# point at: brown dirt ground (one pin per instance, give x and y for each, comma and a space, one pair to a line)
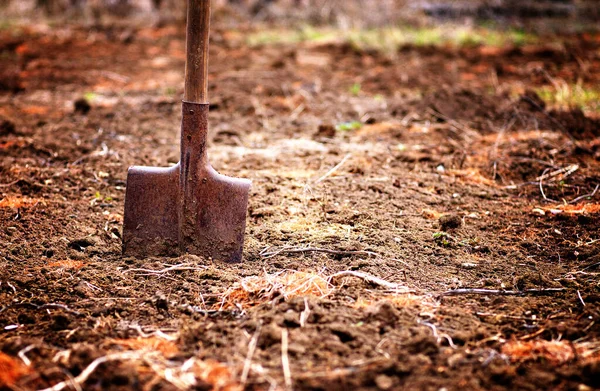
438, 190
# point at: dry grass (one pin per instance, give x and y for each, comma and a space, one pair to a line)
165, 347
11, 370
431, 214
216, 374
157, 353
67, 264
565, 96
554, 352
255, 290
18, 202
580, 208
19, 143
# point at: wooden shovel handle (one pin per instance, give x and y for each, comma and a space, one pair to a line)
196, 64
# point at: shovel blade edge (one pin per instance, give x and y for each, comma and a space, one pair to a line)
150, 221
213, 219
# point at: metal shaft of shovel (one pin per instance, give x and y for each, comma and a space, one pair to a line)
189, 208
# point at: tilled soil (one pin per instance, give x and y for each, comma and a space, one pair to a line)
417, 220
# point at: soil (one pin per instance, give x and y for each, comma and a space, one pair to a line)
454, 183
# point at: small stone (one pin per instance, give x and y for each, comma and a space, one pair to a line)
538, 211
270, 335
384, 312
450, 222
7, 127
82, 106
454, 360
384, 382
291, 319
297, 349
160, 301
326, 131
468, 265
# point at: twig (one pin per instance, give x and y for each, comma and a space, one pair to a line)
10, 285
437, 335
294, 250
24, 351
304, 314
580, 298
475, 291
157, 333
502, 316
494, 152
582, 270
539, 161
9, 184
114, 76
464, 128
541, 178
590, 195
332, 170
285, 361
568, 170
85, 374
543, 111
181, 266
249, 355
369, 278
41, 307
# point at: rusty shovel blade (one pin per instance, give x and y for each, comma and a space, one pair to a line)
188, 208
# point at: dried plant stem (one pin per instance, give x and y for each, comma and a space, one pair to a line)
500, 292
285, 361
22, 354
42, 307
305, 314
248, 360
294, 250
371, 279
590, 195
332, 170
566, 171
179, 267
85, 374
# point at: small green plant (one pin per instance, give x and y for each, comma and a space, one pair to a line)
98, 197
355, 89
567, 96
90, 96
442, 238
472, 242
349, 126
389, 39
9, 25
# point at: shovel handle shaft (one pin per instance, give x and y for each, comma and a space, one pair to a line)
196, 65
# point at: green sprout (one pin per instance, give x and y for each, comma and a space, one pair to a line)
349, 126
355, 89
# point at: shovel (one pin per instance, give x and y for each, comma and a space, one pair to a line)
187, 208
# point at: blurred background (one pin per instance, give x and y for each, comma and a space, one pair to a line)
340, 13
